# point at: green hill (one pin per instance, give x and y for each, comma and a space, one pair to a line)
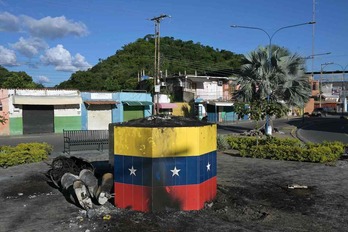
121, 70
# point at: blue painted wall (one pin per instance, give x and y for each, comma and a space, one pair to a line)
117, 112
85, 97
131, 96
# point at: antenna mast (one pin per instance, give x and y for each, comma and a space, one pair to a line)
157, 63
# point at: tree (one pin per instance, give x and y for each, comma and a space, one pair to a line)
121, 70
3, 120
272, 85
14, 80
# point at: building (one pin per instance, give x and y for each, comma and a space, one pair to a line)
210, 96
40, 111
329, 90
31, 111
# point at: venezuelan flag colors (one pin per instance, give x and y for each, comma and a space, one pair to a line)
164, 167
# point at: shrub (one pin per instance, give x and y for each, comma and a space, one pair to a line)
286, 149
24, 153
241, 143
222, 142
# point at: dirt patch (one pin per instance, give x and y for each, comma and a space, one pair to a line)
253, 195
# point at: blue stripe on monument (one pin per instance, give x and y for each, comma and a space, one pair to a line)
160, 171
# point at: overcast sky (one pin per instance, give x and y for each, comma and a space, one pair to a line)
51, 39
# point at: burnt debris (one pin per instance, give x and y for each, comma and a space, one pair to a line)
164, 121
76, 179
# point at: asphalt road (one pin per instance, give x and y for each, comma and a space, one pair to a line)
309, 129
242, 126
317, 130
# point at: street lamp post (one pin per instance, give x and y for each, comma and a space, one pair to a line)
268, 128
314, 55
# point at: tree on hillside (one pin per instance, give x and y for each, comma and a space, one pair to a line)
17, 80
121, 71
282, 81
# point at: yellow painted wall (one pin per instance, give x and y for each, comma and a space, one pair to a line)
164, 141
182, 109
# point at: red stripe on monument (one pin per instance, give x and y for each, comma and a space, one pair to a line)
184, 197
135, 197
193, 197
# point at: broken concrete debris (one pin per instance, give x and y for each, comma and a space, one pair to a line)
103, 191
76, 179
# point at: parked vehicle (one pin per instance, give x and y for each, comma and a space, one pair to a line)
319, 112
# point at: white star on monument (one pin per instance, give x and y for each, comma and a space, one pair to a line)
132, 171
175, 171
208, 166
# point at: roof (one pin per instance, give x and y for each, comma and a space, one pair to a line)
100, 102
167, 105
137, 103
217, 103
45, 100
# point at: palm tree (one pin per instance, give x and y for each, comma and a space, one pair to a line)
282, 79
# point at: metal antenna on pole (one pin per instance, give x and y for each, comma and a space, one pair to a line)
157, 65
313, 36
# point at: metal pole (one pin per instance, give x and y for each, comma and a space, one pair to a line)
155, 71
313, 35
344, 95
157, 68
158, 65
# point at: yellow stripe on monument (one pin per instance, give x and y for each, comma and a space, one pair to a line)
164, 141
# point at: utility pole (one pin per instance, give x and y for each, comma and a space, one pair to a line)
157, 63
313, 36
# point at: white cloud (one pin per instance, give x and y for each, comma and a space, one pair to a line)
47, 27
53, 28
30, 47
43, 79
7, 57
63, 61
38, 30
9, 22
80, 62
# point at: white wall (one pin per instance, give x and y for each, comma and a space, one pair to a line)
210, 91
